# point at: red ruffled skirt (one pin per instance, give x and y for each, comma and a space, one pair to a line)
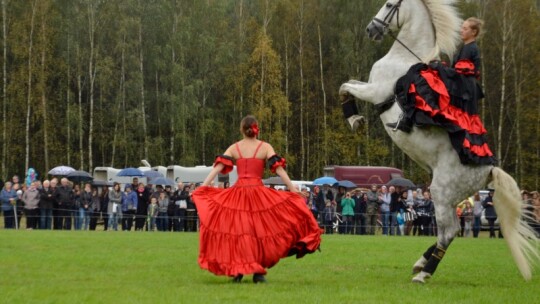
248, 227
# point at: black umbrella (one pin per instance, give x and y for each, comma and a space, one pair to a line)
345, 184
79, 176
401, 182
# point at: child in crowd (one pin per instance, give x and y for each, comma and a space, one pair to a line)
152, 214
329, 215
468, 216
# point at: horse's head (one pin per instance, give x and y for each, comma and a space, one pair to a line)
386, 19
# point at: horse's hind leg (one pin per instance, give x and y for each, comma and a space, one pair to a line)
448, 226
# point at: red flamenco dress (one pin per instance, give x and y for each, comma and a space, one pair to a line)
436, 95
248, 227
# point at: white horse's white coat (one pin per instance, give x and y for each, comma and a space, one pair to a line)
421, 21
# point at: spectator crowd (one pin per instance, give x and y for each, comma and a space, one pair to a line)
399, 211
62, 205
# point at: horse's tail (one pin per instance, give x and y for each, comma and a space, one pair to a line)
518, 235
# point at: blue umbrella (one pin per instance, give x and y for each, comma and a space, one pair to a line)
325, 180
130, 172
152, 174
161, 181
345, 184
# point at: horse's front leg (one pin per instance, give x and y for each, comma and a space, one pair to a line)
447, 227
348, 92
358, 89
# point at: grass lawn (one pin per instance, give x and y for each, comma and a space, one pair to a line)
128, 267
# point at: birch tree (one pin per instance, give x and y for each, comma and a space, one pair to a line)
29, 86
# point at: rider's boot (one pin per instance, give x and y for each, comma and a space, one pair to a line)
404, 124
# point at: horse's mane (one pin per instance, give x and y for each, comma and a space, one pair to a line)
447, 24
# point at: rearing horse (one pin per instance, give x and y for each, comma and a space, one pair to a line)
427, 28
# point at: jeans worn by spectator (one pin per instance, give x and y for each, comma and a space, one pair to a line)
45, 218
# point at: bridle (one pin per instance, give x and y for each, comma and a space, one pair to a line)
385, 25
394, 11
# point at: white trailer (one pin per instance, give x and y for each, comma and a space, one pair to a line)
198, 174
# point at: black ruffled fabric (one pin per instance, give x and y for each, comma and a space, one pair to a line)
227, 161
276, 161
440, 96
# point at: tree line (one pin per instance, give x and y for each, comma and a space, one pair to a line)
91, 83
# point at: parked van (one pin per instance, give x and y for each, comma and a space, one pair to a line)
363, 176
108, 174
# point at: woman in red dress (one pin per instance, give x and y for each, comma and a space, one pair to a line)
248, 227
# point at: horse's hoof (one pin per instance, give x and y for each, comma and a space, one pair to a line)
421, 277
355, 121
416, 269
418, 280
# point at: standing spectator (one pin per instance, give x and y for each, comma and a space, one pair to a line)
329, 215
64, 196
490, 213
386, 200
142, 207
191, 212
360, 205
477, 212
180, 198
373, 202
327, 193
468, 215
85, 210
19, 205
418, 200
424, 209
347, 204
129, 208
95, 207
57, 225
406, 204
153, 210
9, 199
172, 211
339, 209
134, 183
46, 204
77, 193
15, 183
105, 207
319, 201
163, 219
394, 210
311, 202
31, 199
114, 208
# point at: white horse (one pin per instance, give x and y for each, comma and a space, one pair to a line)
427, 28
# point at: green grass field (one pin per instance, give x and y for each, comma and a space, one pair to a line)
129, 267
